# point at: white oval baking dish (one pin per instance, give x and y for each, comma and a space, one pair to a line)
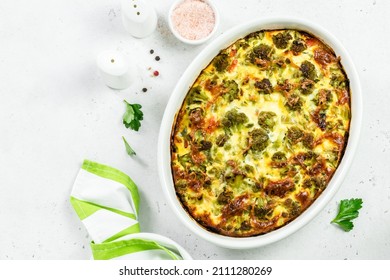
180, 91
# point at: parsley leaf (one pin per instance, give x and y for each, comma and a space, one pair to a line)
133, 116
349, 210
129, 150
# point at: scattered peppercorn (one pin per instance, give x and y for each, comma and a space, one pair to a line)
157, 58
144, 89
151, 51
156, 73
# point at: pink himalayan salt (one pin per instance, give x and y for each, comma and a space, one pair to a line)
193, 19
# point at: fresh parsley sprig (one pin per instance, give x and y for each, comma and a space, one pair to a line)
133, 116
349, 210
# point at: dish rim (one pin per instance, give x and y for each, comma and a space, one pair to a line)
186, 81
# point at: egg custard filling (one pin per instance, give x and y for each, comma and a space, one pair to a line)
260, 132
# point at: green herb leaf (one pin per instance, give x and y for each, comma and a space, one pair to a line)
129, 150
349, 210
133, 116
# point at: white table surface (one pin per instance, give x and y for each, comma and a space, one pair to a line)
55, 112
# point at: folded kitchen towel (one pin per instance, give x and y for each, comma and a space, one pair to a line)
107, 202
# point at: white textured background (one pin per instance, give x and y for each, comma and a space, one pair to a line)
54, 112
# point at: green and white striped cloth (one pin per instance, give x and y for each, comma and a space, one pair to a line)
107, 202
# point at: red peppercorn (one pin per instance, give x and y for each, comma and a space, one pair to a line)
156, 73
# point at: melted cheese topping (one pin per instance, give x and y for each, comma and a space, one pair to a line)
261, 132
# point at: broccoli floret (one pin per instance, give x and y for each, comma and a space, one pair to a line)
323, 98
181, 185
232, 90
294, 134
315, 183
338, 81
242, 44
258, 139
281, 40
308, 70
308, 140
196, 95
262, 211
245, 225
196, 116
279, 156
255, 35
294, 102
264, 86
221, 62
233, 119
298, 46
267, 120
321, 120
306, 87
292, 207
221, 140
184, 159
205, 145
224, 197
261, 52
